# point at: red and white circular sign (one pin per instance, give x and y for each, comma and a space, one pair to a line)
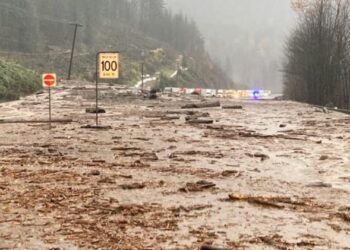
49, 80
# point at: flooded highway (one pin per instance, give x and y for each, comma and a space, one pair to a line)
270, 175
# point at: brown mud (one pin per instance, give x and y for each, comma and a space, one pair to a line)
273, 175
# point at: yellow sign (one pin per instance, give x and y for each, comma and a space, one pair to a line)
108, 65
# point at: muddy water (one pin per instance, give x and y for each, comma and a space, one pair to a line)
140, 184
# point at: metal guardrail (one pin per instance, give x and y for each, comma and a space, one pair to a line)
344, 111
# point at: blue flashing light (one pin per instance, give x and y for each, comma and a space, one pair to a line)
256, 94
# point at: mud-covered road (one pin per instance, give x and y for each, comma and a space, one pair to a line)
273, 175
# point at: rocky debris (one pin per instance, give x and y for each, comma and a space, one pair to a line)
208, 154
209, 247
216, 127
123, 148
98, 127
170, 117
196, 115
125, 176
344, 216
147, 156
106, 180
232, 107
139, 164
202, 105
263, 157
154, 115
200, 121
153, 94
98, 161
274, 240
133, 186
162, 116
272, 202
94, 172
199, 186
324, 157
94, 110
234, 173
151, 156
189, 209
141, 139
199, 118
281, 202
277, 242
224, 133
319, 185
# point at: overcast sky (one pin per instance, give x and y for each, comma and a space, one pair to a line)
249, 33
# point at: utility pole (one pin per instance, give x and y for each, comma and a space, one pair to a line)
178, 72
73, 47
142, 68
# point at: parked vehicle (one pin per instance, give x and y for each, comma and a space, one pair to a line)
220, 93
197, 91
168, 90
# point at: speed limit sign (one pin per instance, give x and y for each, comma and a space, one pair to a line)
108, 65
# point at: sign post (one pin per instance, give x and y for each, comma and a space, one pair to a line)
49, 80
107, 67
50, 109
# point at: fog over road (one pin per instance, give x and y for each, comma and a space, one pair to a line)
246, 36
271, 175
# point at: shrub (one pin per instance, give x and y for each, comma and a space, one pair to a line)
16, 81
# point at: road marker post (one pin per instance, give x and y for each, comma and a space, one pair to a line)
49, 80
107, 67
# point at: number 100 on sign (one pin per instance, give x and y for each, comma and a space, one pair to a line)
108, 65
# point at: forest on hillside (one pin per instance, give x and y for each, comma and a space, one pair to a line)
40, 21
40, 34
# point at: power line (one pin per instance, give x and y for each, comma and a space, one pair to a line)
42, 18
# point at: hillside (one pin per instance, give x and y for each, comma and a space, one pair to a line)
16, 81
246, 37
39, 34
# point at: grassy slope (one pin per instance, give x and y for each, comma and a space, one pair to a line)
16, 81
159, 57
